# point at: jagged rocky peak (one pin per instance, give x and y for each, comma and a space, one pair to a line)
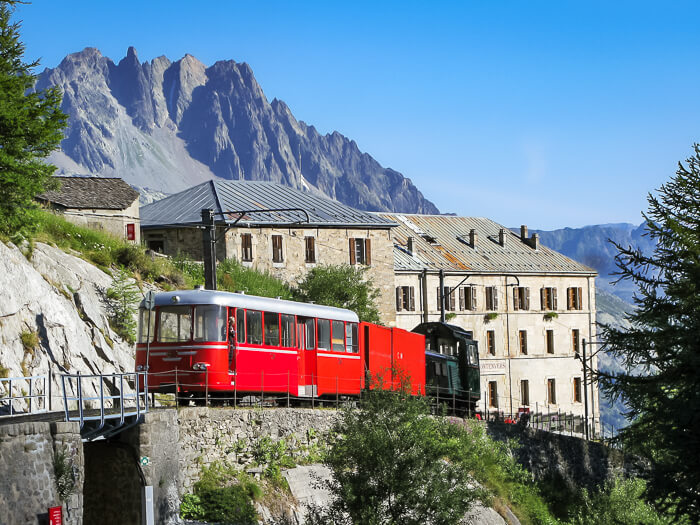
170, 125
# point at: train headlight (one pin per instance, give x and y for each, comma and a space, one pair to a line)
139, 368
200, 366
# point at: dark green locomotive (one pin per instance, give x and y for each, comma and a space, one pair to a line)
451, 364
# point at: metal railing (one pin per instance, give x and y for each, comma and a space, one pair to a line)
35, 399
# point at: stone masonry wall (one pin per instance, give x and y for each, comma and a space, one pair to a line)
28, 484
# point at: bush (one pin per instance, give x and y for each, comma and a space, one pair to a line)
123, 298
232, 276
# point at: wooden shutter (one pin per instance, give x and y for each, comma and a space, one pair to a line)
368, 252
399, 299
462, 298
472, 291
569, 298
527, 299
439, 303
516, 298
411, 299
543, 298
494, 295
579, 304
352, 250
554, 299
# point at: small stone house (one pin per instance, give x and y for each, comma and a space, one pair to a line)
529, 307
108, 204
274, 228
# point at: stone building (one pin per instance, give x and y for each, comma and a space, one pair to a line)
108, 204
529, 307
275, 228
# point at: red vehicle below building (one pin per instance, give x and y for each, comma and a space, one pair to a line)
235, 345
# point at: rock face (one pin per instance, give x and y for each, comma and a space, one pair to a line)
57, 297
170, 125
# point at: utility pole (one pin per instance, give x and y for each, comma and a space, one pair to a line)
209, 248
585, 392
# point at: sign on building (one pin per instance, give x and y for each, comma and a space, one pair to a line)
489, 367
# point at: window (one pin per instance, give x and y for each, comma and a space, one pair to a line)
272, 329
277, 249
491, 298
360, 251
524, 392
310, 251
253, 327
156, 245
405, 298
449, 298
324, 334
240, 325
522, 336
577, 389
550, 341
174, 324
467, 298
338, 336
144, 330
491, 342
573, 299
351, 338
310, 334
246, 247
288, 327
521, 298
575, 341
552, 391
548, 298
210, 323
493, 394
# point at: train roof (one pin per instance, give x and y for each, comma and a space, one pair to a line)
441, 328
254, 302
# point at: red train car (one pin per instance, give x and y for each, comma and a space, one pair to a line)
236, 344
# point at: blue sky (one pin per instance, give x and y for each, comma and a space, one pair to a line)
550, 114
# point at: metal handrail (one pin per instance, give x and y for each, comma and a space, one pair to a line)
26, 397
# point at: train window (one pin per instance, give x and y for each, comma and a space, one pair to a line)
143, 325
437, 368
240, 325
174, 324
310, 333
253, 327
210, 323
272, 329
288, 330
473, 354
351, 338
338, 336
324, 334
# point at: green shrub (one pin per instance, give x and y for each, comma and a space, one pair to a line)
123, 298
30, 341
232, 276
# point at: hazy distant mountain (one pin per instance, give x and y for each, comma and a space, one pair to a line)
590, 245
170, 125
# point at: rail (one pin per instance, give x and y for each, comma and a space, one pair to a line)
35, 398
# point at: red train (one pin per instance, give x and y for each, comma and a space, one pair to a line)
235, 345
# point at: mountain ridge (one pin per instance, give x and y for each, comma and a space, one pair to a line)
171, 125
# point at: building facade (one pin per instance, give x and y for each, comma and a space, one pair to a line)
529, 307
107, 204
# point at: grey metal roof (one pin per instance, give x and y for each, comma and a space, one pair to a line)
442, 242
91, 192
184, 208
253, 302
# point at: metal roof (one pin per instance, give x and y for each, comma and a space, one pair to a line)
185, 208
253, 302
441, 242
91, 192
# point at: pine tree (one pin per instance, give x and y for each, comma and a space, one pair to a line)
31, 125
661, 349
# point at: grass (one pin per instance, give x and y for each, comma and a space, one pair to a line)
30, 341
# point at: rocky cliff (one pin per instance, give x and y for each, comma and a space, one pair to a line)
56, 300
170, 125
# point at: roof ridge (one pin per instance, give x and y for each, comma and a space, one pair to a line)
216, 195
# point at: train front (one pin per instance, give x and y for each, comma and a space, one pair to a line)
183, 342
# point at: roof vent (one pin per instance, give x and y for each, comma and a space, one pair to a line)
198, 287
409, 245
535, 241
473, 238
502, 237
523, 232
242, 292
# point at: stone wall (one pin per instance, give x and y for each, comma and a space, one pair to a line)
28, 483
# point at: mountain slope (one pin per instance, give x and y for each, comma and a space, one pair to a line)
170, 125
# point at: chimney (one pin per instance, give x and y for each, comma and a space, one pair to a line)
523, 233
473, 238
535, 242
409, 245
502, 237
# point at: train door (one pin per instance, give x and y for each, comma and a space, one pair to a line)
306, 356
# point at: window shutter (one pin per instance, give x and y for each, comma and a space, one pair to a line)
569, 298
368, 252
554, 299
527, 299
411, 299
452, 299
399, 299
494, 294
579, 305
352, 250
439, 304
543, 298
462, 304
516, 298
472, 290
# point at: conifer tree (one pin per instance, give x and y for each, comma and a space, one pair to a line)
31, 125
661, 349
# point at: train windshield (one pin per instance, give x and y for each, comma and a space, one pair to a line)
143, 325
209, 323
174, 324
